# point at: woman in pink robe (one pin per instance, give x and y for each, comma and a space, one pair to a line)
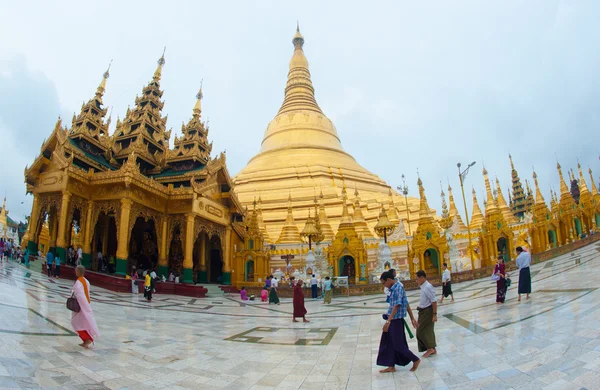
83, 322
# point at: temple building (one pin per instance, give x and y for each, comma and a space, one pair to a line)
9, 229
302, 152
135, 199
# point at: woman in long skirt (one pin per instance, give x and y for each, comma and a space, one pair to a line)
500, 271
83, 322
524, 262
328, 290
273, 297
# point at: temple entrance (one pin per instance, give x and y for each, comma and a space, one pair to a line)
215, 268
552, 238
347, 268
502, 246
143, 245
75, 240
104, 243
578, 228
176, 252
249, 270
431, 261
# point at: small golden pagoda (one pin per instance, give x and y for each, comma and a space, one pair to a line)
454, 211
518, 195
586, 204
252, 259
446, 221
310, 231
429, 244
543, 231
324, 221
384, 226
595, 203
289, 233
362, 229
570, 225
496, 237
504, 209
261, 223
476, 215
392, 213
347, 253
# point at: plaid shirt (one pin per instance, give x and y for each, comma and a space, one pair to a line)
398, 298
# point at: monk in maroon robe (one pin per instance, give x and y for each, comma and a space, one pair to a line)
299, 309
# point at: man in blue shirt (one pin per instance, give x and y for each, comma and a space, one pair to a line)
393, 348
49, 262
56, 267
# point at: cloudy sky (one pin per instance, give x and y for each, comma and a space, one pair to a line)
409, 85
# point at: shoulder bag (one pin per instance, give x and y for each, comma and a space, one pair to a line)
72, 304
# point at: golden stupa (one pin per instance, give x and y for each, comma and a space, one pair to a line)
301, 152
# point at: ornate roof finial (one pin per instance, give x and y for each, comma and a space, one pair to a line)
161, 63
298, 39
512, 166
102, 86
199, 96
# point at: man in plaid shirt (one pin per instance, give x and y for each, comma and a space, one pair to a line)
393, 348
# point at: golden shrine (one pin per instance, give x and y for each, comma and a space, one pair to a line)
301, 152
133, 198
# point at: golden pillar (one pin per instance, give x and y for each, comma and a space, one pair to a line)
52, 231
123, 239
163, 263
227, 257
203, 273
87, 236
61, 240
188, 261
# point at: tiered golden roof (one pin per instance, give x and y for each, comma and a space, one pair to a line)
594, 188
518, 195
289, 233
301, 151
585, 196
506, 212
143, 130
476, 215
362, 229
454, 211
193, 146
446, 221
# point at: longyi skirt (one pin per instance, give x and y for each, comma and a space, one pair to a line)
525, 281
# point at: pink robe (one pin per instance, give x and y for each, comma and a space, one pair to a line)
84, 320
244, 295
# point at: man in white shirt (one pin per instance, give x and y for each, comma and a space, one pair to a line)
446, 284
524, 262
314, 285
427, 316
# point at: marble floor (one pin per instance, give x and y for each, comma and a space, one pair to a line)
551, 341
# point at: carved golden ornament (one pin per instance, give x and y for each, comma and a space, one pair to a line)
106, 206
146, 213
210, 228
214, 211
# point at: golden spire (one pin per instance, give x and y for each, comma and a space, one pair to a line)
325, 225
424, 212
476, 214
358, 218
392, 213
198, 105
491, 202
454, 211
563, 186
447, 220
506, 213
102, 86
539, 198
260, 221
161, 63
346, 219
594, 188
289, 232
582, 185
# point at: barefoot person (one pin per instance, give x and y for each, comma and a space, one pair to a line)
523, 262
83, 322
299, 309
427, 316
446, 284
393, 348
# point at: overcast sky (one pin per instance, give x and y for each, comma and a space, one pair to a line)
409, 85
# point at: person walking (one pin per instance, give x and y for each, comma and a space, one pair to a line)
298, 301
148, 287
500, 277
83, 321
523, 263
328, 289
49, 262
427, 316
393, 347
446, 284
56, 267
314, 286
273, 297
